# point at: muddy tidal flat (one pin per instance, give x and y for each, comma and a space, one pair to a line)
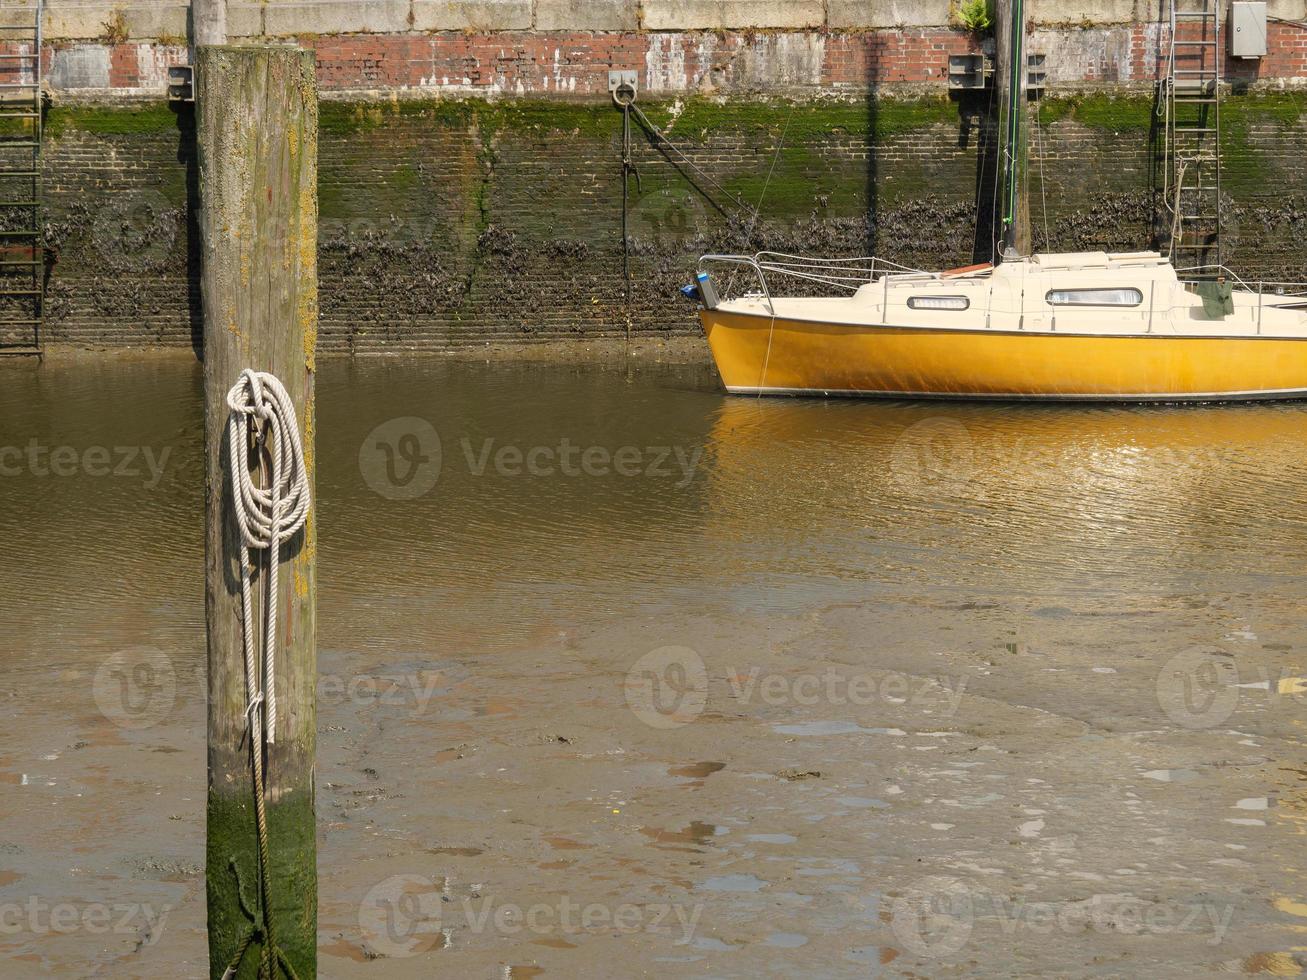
621, 676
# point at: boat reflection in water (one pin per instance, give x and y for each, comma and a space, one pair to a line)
1017, 496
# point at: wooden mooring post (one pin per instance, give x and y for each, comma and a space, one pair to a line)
256, 126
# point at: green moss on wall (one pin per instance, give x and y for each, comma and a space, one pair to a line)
346, 118
686, 118
438, 215
692, 117
805, 121
1251, 124
1097, 111
1119, 113
150, 117
1285, 108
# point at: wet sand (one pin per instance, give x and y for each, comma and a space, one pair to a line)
756, 688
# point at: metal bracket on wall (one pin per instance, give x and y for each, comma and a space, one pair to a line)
180, 87
969, 71
623, 85
1036, 74
975, 71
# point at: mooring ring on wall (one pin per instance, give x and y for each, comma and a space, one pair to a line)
624, 95
622, 85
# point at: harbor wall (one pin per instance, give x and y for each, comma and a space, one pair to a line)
470, 184
459, 222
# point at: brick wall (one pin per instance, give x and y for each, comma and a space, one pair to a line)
576, 63
469, 179
455, 222
156, 19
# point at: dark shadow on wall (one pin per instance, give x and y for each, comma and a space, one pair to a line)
873, 53
188, 156
1159, 231
978, 125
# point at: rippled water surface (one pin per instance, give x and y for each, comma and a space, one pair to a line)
728, 500
1051, 560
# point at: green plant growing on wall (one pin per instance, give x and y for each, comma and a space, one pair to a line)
977, 16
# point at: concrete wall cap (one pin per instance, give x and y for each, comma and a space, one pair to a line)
471, 15
286, 18
684, 15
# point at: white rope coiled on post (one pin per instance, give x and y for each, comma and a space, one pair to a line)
266, 515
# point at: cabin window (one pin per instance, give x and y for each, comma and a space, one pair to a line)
1094, 297
938, 302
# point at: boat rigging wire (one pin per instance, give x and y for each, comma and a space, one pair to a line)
757, 210
776, 155
1039, 149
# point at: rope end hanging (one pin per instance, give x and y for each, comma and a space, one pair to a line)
267, 514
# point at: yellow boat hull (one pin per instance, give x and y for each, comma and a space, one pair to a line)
755, 355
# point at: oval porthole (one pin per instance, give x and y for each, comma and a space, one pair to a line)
1128, 296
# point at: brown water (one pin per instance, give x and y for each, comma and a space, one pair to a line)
847, 688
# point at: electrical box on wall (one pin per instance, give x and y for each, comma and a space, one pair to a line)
1247, 29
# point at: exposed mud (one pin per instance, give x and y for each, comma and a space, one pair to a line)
821, 688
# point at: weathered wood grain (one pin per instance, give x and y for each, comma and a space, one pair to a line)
256, 112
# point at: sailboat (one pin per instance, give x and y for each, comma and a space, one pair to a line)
1108, 326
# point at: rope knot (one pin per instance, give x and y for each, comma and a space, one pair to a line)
275, 511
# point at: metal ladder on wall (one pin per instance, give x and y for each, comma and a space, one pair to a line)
22, 255
1192, 149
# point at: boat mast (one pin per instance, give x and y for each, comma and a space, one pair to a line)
1010, 75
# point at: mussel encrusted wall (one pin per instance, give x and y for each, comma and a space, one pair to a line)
456, 222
